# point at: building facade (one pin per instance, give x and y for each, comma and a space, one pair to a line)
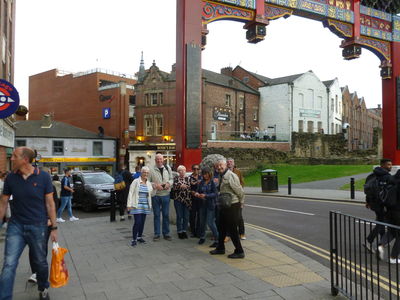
96, 100
61, 145
335, 107
7, 45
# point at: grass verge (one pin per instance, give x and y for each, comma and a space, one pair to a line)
358, 185
306, 173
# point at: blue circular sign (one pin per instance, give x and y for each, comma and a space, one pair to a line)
9, 99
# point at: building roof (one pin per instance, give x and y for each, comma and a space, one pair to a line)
260, 77
33, 128
328, 83
228, 81
285, 79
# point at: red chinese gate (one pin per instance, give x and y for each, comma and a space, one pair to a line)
365, 24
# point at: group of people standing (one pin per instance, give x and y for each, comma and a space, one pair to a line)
196, 202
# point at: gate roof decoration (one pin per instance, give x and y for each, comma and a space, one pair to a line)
369, 24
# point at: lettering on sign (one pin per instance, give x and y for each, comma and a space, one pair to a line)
221, 114
311, 113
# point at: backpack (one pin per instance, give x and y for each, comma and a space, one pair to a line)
119, 183
380, 191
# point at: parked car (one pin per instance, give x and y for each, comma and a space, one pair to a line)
92, 189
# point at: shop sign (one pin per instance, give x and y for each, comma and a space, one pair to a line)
310, 113
221, 114
166, 147
7, 135
9, 99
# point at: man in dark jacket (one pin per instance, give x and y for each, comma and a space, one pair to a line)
382, 174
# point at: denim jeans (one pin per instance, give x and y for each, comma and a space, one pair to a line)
65, 201
18, 236
137, 229
161, 206
182, 216
207, 217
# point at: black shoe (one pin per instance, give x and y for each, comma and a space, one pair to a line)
141, 241
167, 237
44, 295
193, 235
236, 255
180, 235
214, 245
217, 251
156, 238
201, 241
184, 234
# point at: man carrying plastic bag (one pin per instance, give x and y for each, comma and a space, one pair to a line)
58, 273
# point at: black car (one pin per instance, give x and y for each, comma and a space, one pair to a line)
92, 189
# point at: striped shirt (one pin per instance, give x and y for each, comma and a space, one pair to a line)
143, 204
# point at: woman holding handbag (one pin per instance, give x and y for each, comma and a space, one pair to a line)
139, 204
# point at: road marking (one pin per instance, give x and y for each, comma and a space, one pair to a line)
310, 200
279, 209
325, 254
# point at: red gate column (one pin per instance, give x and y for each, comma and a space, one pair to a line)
390, 106
188, 82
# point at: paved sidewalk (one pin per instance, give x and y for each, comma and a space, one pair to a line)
103, 265
321, 194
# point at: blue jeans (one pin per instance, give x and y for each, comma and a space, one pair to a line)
138, 226
18, 236
161, 205
207, 217
182, 216
65, 201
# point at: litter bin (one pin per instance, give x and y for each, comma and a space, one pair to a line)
269, 181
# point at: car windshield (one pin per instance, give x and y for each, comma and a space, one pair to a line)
98, 178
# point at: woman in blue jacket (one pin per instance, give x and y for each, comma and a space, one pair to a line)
207, 192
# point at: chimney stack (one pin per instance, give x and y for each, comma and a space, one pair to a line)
228, 71
46, 121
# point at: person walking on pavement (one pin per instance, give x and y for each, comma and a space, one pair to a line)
207, 192
33, 205
66, 197
57, 185
182, 201
161, 180
122, 195
194, 213
231, 166
139, 204
229, 215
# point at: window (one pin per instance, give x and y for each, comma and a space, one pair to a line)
301, 126
320, 129
132, 121
255, 114
227, 100
310, 126
310, 99
332, 105
159, 124
132, 99
161, 99
319, 104
147, 100
97, 148
333, 128
148, 126
246, 79
20, 143
336, 103
301, 97
241, 102
58, 147
241, 127
153, 98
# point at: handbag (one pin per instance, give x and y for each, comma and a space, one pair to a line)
225, 200
119, 186
58, 272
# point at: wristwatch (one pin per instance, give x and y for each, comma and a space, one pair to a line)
53, 228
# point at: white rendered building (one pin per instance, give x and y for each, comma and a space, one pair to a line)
296, 103
334, 94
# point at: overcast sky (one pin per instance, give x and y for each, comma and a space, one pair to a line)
78, 35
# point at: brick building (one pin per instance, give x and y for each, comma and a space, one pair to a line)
95, 100
7, 34
228, 107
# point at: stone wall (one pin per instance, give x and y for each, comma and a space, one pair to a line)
280, 146
318, 145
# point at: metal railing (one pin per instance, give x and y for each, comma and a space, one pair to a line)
357, 272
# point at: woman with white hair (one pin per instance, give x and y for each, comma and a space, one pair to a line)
182, 201
139, 204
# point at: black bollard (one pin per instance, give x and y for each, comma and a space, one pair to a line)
352, 193
112, 209
289, 182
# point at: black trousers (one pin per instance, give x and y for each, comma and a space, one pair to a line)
194, 217
228, 222
241, 222
378, 229
122, 198
393, 217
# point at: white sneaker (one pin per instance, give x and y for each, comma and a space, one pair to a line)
33, 278
73, 219
60, 220
381, 251
394, 260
